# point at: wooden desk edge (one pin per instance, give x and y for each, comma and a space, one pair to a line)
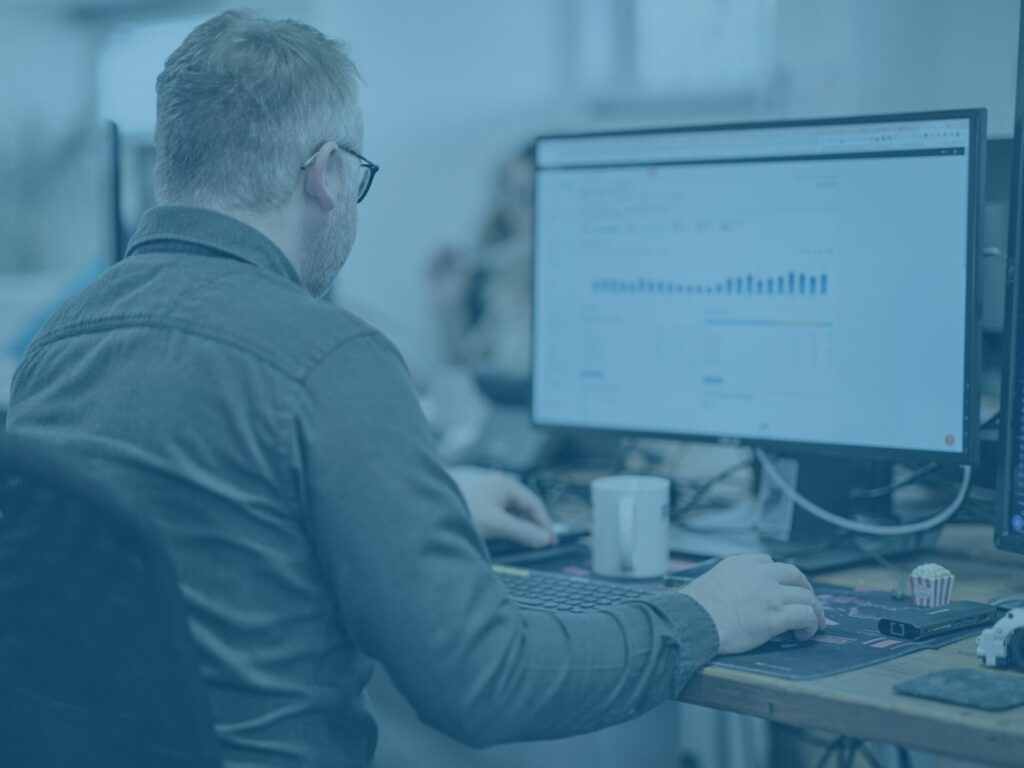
893, 719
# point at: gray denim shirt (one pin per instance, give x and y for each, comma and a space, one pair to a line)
279, 445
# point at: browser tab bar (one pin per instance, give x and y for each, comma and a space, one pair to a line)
765, 142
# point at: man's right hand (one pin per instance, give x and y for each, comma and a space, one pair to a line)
752, 599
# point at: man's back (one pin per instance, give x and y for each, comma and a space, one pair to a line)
178, 368
279, 445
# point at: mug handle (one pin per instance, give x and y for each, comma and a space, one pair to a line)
627, 529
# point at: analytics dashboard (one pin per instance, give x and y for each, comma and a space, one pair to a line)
805, 283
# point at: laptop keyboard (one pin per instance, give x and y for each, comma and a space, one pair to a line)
557, 592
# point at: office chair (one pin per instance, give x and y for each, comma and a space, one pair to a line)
97, 668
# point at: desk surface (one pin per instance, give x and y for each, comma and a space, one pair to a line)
862, 703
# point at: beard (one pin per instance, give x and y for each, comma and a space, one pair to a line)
326, 250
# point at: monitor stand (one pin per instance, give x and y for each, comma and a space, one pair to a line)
773, 525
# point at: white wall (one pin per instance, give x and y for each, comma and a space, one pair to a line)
864, 56
47, 97
47, 86
450, 89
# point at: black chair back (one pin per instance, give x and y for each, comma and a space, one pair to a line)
97, 667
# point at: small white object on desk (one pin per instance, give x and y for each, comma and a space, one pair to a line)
931, 585
1003, 643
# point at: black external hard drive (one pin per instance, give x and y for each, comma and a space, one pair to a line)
925, 623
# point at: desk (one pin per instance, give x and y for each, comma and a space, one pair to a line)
859, 703
862, 703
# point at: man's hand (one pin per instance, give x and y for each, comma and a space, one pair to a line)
504, 508
752, 599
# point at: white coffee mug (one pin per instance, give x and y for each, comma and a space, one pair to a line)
629, 531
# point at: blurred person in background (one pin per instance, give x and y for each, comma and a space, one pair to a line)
484, 296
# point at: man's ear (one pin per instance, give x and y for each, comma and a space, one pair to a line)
315, 181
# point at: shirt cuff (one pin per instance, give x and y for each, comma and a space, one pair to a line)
695, 632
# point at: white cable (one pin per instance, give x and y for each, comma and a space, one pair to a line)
852, 525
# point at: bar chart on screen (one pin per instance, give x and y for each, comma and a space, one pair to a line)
788, 284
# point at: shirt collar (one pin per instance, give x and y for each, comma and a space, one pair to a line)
189, 229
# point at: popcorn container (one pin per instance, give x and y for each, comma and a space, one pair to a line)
931, 591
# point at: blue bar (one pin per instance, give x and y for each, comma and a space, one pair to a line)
728, 285
781, 281
750, 283
792, 280
771, 285
739, 285
814, 284
760, 285
803, 282
824, 284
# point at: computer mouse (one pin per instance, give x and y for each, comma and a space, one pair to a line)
789, 638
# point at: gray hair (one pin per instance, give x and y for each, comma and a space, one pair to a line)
241, 103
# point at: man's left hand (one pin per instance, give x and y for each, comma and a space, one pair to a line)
504, 508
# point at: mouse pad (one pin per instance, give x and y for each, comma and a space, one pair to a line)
969, 688
850, 640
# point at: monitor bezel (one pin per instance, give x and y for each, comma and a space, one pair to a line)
969, 453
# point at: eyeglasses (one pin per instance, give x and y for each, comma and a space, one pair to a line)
369, 169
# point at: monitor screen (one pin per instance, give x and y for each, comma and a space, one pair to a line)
806, 283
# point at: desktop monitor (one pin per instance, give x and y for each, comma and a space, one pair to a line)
1009, 520
807, 286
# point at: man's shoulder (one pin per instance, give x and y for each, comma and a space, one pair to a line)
226, 305
330, 330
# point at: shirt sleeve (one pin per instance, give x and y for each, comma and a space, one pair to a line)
414, 588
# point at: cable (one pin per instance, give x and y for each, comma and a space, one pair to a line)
885, 490
708, 484
868, 755
857, 527
889, 565
1007, 602
917, 474
829, 751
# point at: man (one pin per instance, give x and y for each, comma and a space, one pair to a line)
278, 444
